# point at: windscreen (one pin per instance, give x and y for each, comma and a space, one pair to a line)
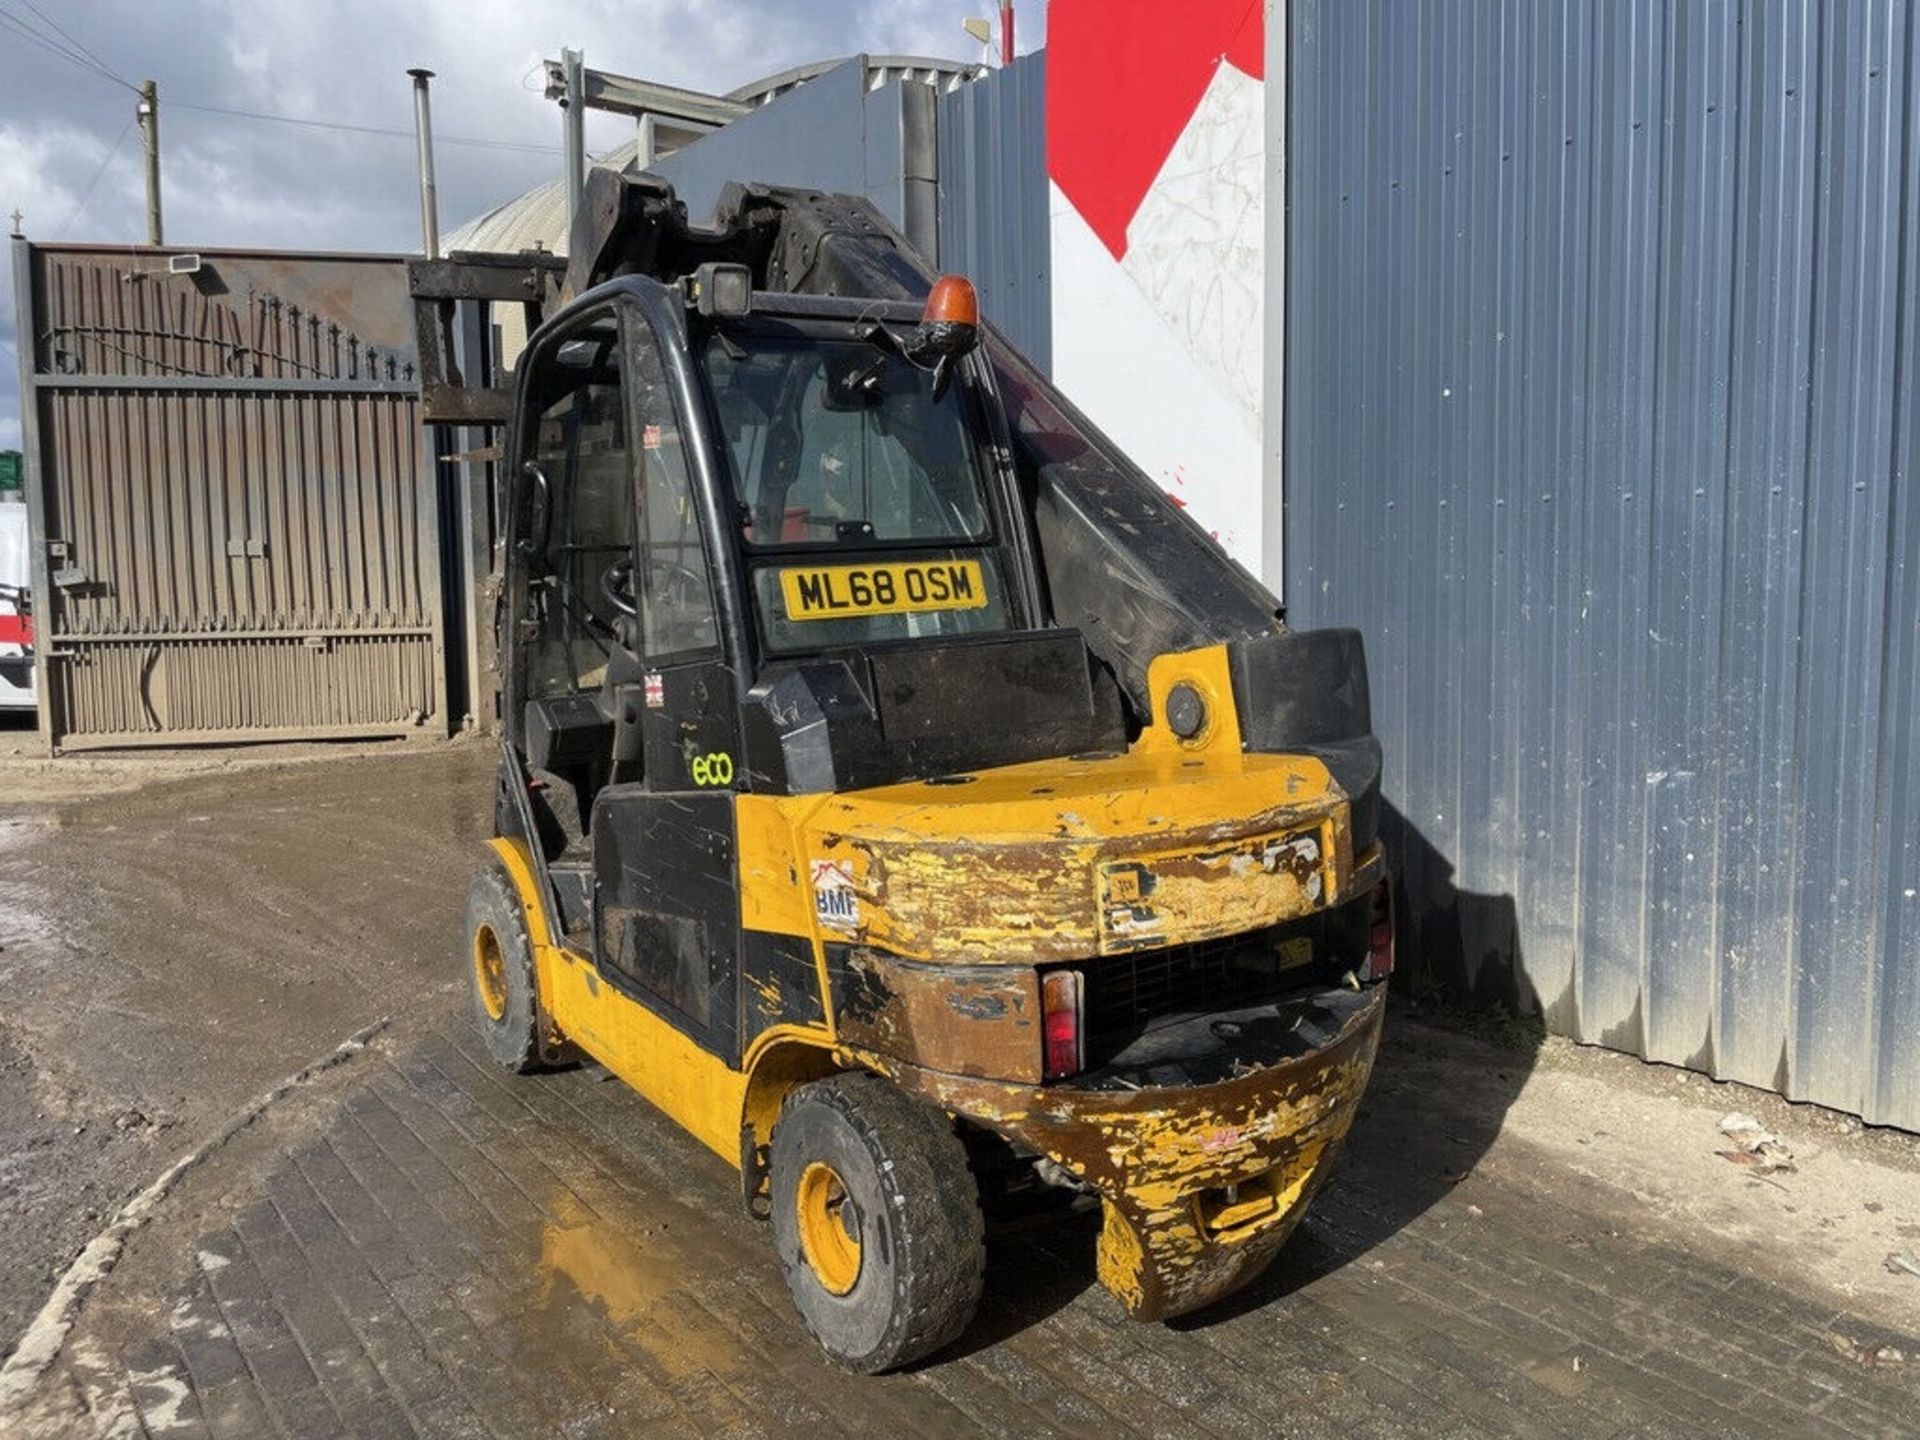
834, 442
859, 491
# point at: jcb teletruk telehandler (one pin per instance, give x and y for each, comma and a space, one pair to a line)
899, 791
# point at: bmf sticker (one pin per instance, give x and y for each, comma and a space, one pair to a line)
834, 902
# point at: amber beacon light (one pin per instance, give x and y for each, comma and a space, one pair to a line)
949, 328
952, 301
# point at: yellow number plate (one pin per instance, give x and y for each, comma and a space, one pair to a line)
836, 592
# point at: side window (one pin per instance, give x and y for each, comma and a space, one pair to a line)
676, 600
579, 508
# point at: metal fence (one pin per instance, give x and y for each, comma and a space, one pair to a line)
235, 524
1601, 416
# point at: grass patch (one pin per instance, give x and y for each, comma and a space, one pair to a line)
1492, 1022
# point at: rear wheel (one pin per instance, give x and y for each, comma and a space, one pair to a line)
500, 972
876, 1220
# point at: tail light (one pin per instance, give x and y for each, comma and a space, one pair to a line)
1380, 933
1060, 992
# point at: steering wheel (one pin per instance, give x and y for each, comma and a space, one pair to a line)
616, 585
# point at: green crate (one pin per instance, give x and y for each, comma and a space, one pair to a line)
9, 469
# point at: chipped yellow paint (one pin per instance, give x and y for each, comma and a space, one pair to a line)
1016, 866
1153, 1154
781, 1057
776, 890
1205, 892
1274, 1192
768, 993
1004, 867
972, 872
1118, 1259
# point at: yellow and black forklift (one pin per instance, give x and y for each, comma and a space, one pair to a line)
899, 791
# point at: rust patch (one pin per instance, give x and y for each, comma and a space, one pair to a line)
973, 1020
977, 1006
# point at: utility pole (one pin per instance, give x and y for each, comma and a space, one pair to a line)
149, 113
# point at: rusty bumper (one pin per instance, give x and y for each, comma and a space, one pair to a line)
1200, 1184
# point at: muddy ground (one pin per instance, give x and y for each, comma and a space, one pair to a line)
1522, 1241
179, 933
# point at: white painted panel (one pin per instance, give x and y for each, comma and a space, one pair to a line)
1195, 245
1135, 375
1163, 348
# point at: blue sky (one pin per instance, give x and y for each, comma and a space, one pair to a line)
246, 182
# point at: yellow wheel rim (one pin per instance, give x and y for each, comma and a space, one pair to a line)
829, 1228
490, 972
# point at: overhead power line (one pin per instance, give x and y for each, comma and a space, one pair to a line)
87, 194
55, 26
438, 139
13, 22
76, 53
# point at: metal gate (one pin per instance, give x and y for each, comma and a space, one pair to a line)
234, 512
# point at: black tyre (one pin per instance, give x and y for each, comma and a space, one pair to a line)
876, 1219
500, 972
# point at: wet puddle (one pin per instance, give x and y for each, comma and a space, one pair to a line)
628, 1271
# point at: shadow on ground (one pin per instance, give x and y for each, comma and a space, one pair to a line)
1411, 1143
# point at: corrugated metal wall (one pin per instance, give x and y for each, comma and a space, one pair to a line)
237, 526
1601, 421
993, 199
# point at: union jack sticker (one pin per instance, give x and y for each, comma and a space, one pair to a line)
656, 690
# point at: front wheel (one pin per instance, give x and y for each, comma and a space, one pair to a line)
876, 1219
500, 972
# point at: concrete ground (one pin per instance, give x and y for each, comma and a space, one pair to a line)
1531, 1241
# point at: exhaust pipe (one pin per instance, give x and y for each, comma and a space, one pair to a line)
423, 138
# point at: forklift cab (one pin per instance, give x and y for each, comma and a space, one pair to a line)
777, 551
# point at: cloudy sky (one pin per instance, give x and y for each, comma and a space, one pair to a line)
254, 182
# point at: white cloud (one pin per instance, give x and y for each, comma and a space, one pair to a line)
255, 183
